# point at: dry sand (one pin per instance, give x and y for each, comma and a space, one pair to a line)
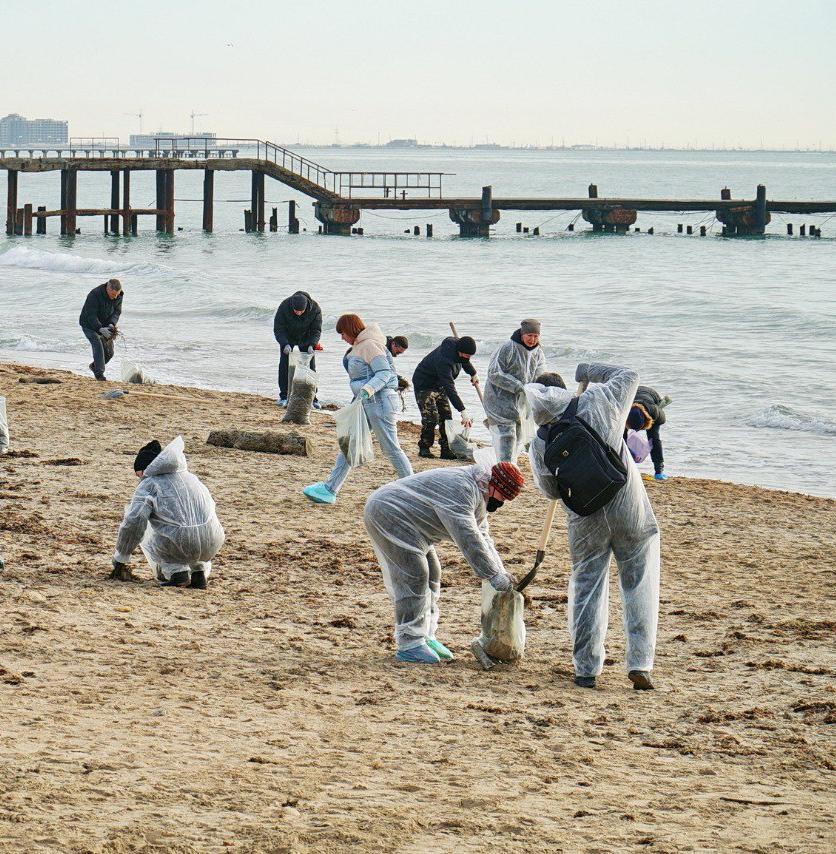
268, 714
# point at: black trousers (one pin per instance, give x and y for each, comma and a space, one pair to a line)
435, 410
656, 449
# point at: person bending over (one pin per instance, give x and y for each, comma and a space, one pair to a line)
625, 527
406, 518
98, 319
648, 413
434, 382
171, 517
298, 323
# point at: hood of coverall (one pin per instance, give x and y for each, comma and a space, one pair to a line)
170, 459
547, 402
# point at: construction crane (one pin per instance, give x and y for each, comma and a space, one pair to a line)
137, 116
194, 116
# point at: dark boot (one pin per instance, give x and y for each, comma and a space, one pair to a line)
426, 453
178, 579
447, 454
641, 680
586, 681
199, 581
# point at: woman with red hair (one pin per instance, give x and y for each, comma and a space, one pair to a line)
372, 377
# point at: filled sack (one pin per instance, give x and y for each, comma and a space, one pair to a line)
502, 638
133, 373
458, 438
4, 427
354, 436
303, 384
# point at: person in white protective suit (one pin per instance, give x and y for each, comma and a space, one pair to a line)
625, 527
171, 517
517, 362
406, 518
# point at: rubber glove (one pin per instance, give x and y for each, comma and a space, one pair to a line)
105, 332
474, 380
467, 421
503, 581
660, 476
310, 350
364, 394
287, 349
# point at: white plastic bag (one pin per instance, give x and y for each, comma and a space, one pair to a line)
458, 438
4, 427
528, 428
638, 445
353, 433
133, 373
303, 383
503, 628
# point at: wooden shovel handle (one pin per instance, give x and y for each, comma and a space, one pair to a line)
547, 526
477, 387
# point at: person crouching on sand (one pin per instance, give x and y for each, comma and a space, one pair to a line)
406, 518
371, 375
171, 518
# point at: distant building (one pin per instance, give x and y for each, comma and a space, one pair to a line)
17, 130
402, 143
166, 138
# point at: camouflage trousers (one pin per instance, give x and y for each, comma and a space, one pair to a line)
435, 410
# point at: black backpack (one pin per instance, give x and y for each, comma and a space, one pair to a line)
589, 472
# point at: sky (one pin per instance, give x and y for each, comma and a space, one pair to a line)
608, 72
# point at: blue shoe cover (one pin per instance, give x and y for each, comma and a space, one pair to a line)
660, 476
439, 649
317, 405
320, 494
418, 655
282, 401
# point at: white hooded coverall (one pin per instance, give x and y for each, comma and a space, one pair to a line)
171, 517
626, 527
406, 518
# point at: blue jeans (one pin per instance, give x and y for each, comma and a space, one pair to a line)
380, 413
102, 354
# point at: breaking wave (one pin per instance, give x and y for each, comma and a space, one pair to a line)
28, 344
783, 417
59, 262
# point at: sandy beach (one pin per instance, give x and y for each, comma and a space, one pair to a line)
268, 714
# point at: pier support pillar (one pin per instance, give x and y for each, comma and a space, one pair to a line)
27, 220
126, 203
257, 207
471, 223
208, 200
114, 200
11, 202
160, 205
64, 181
610, 219
292, 222
40, 225
746, 220
169, 201
336, 220
72, 205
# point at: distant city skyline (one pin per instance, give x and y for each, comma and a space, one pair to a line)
747, 75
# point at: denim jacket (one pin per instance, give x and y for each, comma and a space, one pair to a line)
376, 375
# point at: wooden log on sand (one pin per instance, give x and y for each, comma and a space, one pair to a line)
270, 443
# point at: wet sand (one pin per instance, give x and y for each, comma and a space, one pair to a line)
268, 714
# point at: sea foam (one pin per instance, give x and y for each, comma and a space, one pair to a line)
59, 262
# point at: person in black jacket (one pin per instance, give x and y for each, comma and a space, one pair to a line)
298, 323
434, 381
98, 320
648, 413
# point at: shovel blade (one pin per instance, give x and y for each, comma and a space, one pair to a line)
529, 576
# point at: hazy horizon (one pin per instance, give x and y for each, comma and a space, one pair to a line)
652, 75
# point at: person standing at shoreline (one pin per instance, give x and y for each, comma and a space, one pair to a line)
434, 382
298, 323
372, 377
99, 316
517, 362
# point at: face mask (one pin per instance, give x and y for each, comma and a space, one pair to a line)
493, 504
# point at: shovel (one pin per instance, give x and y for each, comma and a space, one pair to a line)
477, 386
544, 533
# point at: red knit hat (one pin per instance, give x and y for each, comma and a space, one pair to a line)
507, 479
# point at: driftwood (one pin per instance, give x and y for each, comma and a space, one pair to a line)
270, 443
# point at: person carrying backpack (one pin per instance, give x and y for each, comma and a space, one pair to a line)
625, 526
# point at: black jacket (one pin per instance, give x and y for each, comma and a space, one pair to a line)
438, 370
651, 400
100, 310
302, 330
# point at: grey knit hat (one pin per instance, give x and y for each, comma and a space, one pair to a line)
529, 326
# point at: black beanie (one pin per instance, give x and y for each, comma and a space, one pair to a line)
147, 454
467, 345
299, 302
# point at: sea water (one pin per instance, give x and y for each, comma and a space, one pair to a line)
740, 333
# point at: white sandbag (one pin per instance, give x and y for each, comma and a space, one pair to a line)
458, 438
354, 435
503, 628
4, 427
133, 373
303, 384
